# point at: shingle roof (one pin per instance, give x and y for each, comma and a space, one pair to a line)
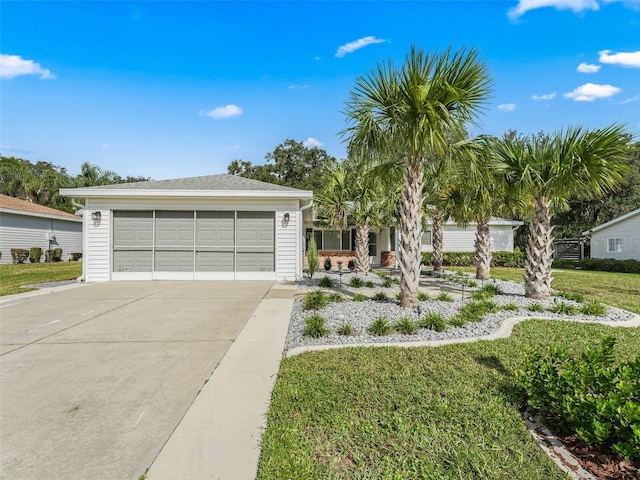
221, 182
12, 203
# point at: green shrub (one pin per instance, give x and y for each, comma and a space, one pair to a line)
535, 307
19, 255
325, 282
561, 263
475, 311
327, 263
423, 296
356, 282
54, 255
562, 308
575, 296
380, 327
510, 307
369, 284
315, 300
458, 320
351, 265
595, 397
75, 256
490, 289
444, 297
314, 327
358, 297
345, 329
386, 283
406, 326
312, 257
380, 297
594, 308
335, 297
467, 259
508, 259
610, 265
433, 321
398, 296
35, 253
479, 295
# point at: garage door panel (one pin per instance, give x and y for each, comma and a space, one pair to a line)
256, 229
132, 260
174, 229
254, 262
215, 229
218, 261
173, 261
132, 229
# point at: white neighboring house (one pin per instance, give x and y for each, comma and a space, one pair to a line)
24, 225
618, 238
216, 227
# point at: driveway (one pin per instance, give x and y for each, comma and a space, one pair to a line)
94, 379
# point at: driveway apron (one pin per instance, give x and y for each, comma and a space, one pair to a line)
94, 379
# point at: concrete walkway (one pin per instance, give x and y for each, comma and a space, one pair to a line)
219, 437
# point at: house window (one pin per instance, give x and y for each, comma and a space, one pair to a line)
426, 237
332, 239
614, 245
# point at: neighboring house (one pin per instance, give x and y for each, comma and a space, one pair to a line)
217, 227
24, 225
619, 238
340, 245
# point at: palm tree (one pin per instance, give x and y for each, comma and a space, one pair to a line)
550, 170
409, 110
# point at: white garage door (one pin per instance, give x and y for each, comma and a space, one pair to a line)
193, 245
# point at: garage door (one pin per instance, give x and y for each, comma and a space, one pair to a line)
193, 245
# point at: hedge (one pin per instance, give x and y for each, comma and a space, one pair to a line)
467, 259
35, 253
19, 255
610, 265
54, 255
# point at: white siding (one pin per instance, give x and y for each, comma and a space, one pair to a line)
97, 253
463, 239
628, 230
26, 231
286, 245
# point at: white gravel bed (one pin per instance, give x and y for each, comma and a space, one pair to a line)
361, 314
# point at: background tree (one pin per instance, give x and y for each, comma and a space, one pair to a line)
409, 110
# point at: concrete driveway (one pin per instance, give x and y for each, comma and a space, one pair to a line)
94, 379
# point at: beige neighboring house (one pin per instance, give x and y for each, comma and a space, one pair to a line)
618, 239
24, 225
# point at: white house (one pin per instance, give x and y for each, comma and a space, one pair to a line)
618, 238
25, 225
212, 227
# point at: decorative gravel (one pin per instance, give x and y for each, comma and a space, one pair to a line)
361, 314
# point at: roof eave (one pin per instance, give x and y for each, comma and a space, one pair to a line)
131, 193
608, 224
40, 215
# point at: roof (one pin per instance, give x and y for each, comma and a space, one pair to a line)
22, 207
621, 218
222, 185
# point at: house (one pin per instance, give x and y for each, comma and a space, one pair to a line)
216, 227
25, 225
618, 238
340, 245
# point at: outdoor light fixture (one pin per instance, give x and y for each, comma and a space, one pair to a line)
96, 216
286, 217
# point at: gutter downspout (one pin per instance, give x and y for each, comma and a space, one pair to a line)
302, 247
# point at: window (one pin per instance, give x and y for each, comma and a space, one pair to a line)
426, 237
332, 240
614, 245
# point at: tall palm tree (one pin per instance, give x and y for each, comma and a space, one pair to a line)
409, 109
550, 170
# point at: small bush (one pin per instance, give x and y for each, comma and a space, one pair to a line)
54, 255
327, 264
35, 253
575, 296
466, 259
314, 327
490, 289
325, 282
386, 283
380, 327
76, 256
380, 297
19, 255
510, 307
335, 297
475, 311
315, 300
562, 308
444, 297
479, 295
312, 257
433, 321
351, 265
345, 329
594, 308
458, 320
423, 296
356, 282
406, 326
358, 297
398, 296
595, 397
369, 284
535, 307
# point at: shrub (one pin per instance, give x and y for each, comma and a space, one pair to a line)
433, 321
314, 327
356, 282
594, 308
510, 306
335, 297
423, 296
575, 296
358, 297
76, 256
327, 264
535, 307
35, 253
458, 320
315, 300
406, 326
369, 284
54, 255
312, 257
595, 397
398, 296
467, 259
345, 329
561, 263
508, 259
490, 289
479, 295
380, 327
444, 297
475, 311
562, 308
19, 255
610, 265
386, 283
325, 282
380, 297
351, 265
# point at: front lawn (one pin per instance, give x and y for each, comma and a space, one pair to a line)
13, 277
435, 413
620, 290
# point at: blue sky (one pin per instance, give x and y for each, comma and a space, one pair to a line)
178, 89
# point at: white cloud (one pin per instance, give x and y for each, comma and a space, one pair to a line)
312, 142
234, 147
631, 99
13, 65
626, 59
294, 87
360, 43
507, 107
545, 96
574, 5
222, 112
591, 91
588, 68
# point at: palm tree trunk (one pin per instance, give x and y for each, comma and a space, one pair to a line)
483, 249
362, 248
410, 234
438, 242
537, 274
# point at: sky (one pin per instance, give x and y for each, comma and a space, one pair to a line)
177, 89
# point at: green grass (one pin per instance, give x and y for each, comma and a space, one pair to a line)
620, 290
12, 277
450, 412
